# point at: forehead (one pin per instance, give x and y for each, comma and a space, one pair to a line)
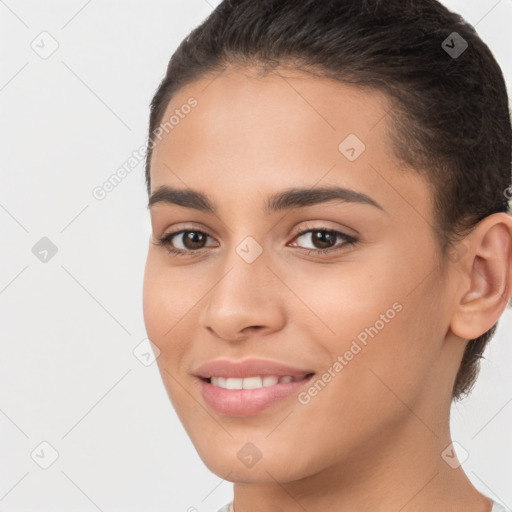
239, 106
280, 129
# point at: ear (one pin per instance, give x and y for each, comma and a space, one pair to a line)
486, 284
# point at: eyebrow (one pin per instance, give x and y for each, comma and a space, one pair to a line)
285, 200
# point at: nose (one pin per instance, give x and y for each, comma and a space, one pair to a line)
244, 298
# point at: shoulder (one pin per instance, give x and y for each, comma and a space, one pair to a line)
496, 508
227, 508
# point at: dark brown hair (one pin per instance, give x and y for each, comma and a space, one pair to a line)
450, 115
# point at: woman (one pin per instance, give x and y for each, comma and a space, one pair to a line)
331, 248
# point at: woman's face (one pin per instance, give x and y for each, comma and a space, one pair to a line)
369, 318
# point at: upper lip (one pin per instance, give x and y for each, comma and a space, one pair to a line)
247, 368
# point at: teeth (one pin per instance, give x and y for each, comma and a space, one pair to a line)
252, 382
270, 380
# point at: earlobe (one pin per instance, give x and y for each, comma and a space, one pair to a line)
487, 283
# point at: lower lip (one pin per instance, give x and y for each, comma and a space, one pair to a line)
247, 402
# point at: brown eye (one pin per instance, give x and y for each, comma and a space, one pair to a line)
324, 240
193, 239
184, 242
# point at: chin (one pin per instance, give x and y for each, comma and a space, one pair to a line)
235, 465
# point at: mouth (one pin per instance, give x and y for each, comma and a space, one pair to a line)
255, 382
250, 395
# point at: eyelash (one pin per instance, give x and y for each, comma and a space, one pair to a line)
165, 241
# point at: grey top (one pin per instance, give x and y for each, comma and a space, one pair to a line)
496, 508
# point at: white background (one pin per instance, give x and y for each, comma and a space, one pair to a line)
69, 326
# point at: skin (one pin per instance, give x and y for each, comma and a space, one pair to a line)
372, 439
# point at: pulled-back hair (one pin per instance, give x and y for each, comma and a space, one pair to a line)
450, 119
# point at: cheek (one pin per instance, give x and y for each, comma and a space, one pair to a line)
164, 296
162, 311
162, 304
170, 306
383, 336
396, 355
342, 301
152, 300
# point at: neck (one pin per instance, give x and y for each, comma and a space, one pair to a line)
400, 471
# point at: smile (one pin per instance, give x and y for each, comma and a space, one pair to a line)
250, 395
253, 382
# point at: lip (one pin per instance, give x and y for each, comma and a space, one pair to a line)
248, 368
248, 402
